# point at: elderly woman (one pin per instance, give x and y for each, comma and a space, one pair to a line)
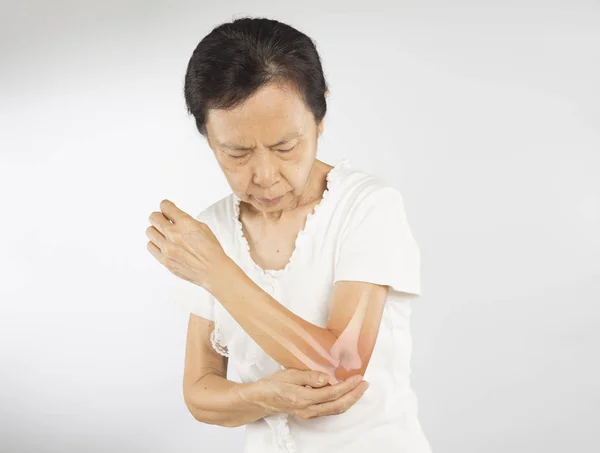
305, 271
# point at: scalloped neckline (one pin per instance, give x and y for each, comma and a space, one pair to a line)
331, 178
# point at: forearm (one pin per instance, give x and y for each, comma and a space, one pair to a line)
289, 339
218, 401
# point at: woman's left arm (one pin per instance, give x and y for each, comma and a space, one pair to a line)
342, 349
190, 250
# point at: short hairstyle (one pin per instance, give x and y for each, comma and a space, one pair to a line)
237, 58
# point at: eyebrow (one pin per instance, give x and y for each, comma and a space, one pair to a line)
285, 139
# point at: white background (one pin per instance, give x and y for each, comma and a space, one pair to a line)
484, 114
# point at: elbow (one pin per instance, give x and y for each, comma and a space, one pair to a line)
211, 417
218, 420
231, 424
199, 415
350, 361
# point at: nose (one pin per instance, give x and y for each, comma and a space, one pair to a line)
266, 171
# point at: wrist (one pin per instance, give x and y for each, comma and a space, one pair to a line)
251, 393
221, 275
230, 282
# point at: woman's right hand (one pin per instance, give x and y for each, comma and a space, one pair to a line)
299, 392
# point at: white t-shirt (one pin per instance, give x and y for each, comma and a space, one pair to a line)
358, 231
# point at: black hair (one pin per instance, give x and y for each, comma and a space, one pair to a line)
238, 58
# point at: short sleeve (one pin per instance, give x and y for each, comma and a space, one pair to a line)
377, 246
192, 298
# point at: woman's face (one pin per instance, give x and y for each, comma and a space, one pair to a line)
266, 148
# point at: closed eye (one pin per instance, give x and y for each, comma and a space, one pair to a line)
286, 150
280, 150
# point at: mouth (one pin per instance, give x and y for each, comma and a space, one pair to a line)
270, 201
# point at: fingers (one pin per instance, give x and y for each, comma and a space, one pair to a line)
333, 392
309, 378
337, 406
171, 212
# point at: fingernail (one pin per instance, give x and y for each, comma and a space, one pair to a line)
322, 379
358, 378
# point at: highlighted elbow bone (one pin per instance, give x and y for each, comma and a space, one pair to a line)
344, 351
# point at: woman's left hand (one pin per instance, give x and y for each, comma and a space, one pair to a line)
185, 246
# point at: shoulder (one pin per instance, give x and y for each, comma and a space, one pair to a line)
359, 191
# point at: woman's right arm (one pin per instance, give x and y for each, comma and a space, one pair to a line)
209, 396
212, 398
229, 409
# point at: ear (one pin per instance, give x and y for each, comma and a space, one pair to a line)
322, 123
